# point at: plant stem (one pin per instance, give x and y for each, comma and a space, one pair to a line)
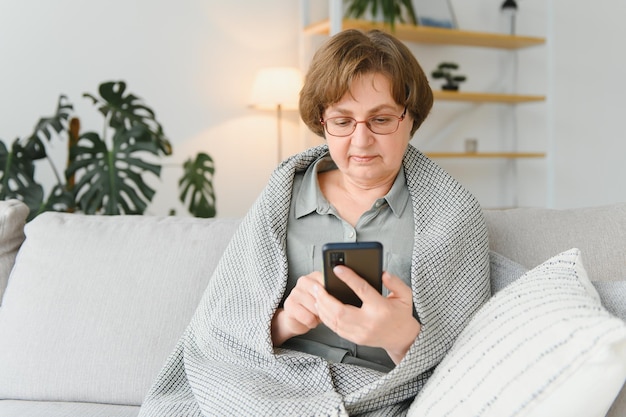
5, 177
54, 170
107, 118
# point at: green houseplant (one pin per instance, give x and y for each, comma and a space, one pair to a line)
392, 11
106, 172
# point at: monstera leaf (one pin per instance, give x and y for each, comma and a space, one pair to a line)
110, 181
126, 111
17, 164
46, 127
60, 199
197, 186
18, 179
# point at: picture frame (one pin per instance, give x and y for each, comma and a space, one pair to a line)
435, 13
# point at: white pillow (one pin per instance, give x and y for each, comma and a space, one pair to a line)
543, 346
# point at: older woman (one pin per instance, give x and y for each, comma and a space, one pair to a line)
267, 338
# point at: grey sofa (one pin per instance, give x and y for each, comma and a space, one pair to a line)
92, 305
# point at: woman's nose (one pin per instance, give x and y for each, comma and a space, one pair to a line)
362, 135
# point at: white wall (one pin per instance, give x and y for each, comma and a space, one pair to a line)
589, 102
193, 62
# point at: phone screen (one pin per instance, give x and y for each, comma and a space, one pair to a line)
364, 258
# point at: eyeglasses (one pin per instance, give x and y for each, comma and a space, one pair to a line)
380, 124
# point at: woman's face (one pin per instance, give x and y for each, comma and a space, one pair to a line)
365, 158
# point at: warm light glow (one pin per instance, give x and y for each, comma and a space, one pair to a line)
275, 86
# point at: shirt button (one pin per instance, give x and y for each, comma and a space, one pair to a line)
351, 234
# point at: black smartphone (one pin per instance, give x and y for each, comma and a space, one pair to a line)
364, 258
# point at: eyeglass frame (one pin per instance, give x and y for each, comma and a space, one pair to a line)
366, 121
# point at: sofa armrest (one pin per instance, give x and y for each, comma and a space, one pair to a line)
13, 215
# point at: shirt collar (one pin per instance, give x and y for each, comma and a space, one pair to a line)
311, 199
398, 195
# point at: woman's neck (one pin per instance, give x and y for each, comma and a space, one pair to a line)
351, 199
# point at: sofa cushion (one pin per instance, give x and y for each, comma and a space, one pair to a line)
96, 303
503, 271
13, 215
613, 296
530, 235
542, 346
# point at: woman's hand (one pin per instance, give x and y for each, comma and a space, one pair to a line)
385, 322
299, 314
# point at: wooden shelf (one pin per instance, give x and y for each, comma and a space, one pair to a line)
485, 97
506, 155
425, 35
432, 35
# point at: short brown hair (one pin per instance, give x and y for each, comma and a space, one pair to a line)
353, 53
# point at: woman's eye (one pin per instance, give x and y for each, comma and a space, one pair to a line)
342, 122
380, 120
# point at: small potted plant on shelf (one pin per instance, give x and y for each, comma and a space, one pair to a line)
391, 11
445, 71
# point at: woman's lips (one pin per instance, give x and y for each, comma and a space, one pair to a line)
362, 158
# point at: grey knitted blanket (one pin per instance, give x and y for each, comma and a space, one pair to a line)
225, 364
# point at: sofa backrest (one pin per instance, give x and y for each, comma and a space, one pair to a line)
98, 302
530, 236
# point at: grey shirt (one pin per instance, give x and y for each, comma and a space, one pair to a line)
313, 221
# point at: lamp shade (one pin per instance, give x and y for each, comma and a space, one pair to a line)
275, 86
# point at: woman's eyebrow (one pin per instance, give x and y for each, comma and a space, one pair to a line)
373, 111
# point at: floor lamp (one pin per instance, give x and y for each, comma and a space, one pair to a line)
277, 88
